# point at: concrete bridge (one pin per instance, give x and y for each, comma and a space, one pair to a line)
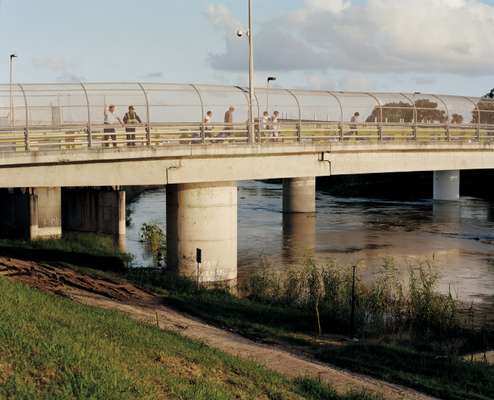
62, 168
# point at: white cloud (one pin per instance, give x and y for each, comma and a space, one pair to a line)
334, 6
418, 36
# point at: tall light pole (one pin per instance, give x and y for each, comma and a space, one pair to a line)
269, 80
12, 118
251, 77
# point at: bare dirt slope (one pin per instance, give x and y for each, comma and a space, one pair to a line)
145, 306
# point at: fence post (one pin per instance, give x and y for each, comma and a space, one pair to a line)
352, 315
26, 139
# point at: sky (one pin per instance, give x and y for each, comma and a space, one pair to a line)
437, 46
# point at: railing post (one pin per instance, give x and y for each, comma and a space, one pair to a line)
340, 129
203, 133
89, 136
299, 132
448, 134
148, 135
26, 139
89, 133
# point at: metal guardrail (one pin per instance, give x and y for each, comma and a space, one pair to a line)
77, 137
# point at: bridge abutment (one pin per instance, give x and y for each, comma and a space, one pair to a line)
447, 185
95, 210
202, 216
31, 214
299, 195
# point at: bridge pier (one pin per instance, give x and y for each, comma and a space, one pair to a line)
202, 216
31, 214
447, 185
299, 236
299, 195
95, 210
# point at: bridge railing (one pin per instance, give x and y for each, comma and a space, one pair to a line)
78, 137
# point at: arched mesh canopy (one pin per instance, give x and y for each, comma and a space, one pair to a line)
75, 115
58, 105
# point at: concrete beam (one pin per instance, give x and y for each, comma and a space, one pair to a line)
225, 163
202, 216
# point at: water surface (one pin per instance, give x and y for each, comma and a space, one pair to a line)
458, 238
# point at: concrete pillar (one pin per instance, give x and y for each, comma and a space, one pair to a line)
202, 216
95, 210
299, 195
31, 214
122, 223
299, 236
447, 185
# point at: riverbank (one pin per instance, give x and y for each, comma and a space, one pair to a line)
270, 327
52, 346
432, 366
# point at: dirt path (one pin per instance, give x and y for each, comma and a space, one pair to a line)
144, 306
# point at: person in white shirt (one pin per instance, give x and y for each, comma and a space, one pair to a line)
206, 128
111, 118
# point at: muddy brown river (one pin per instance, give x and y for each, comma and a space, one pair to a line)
458, 239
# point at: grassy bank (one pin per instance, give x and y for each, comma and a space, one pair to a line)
74, 248
408, 335
83, 243
52, 348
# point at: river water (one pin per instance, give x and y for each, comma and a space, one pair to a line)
458, 239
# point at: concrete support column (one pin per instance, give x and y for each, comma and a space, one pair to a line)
202, 216
299, 236
447, 185
95, 210
31, 214
299, 195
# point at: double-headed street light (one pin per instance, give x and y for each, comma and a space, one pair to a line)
268, 81
12, 118
250, 37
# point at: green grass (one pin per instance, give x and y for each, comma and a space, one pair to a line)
394, 360
83, 243
52, 348
452, 378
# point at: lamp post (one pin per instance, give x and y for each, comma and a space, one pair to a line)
269, 80
251, 77
11, 71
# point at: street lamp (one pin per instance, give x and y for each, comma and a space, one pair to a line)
268, 81
250, 37
12, 120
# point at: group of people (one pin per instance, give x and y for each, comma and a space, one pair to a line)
268, 125
111, 118
271, 124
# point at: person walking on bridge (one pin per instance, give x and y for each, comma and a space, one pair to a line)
228, 122
354, 121
131, 118
111, 118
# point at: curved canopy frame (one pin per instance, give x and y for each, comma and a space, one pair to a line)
29, 106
